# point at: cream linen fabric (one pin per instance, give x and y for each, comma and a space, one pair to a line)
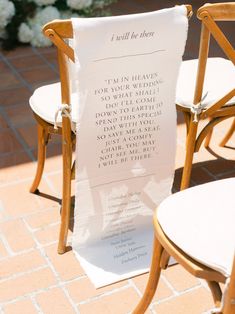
201, 221
127, 68
219, 80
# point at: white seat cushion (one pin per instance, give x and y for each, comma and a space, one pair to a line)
201, 221
219, 80
45, 101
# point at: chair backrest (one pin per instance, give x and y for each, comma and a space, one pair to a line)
59, 31
229, 302
209, 14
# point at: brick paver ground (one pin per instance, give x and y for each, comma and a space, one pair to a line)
33, 277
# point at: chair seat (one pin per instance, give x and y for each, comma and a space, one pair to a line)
200, 221
45, 101
216, 85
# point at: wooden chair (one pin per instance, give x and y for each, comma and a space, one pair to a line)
196, 227
214, 80
228, 134
44, 103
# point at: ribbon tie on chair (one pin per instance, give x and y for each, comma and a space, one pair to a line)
65, 110
197, 108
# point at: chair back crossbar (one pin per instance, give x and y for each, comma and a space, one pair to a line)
209, 14
212, 86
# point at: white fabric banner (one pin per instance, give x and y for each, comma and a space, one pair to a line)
127, 68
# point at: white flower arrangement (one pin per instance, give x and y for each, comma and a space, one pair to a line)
44, 15
22, 21
79, 4
44, 2
31, 32
7, 11
25, 33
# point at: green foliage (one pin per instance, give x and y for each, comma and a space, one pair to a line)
61, 5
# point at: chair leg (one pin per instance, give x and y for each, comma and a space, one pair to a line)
208, 138
154, 276
190, 147
164, 260
216, 292
229, 300
66, 194
42, 142
187, 117
228, 135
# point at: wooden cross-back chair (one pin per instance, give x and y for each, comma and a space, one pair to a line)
44, 103
210, 80
196, 227
49, 98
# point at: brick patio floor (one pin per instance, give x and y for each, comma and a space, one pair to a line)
33, 277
